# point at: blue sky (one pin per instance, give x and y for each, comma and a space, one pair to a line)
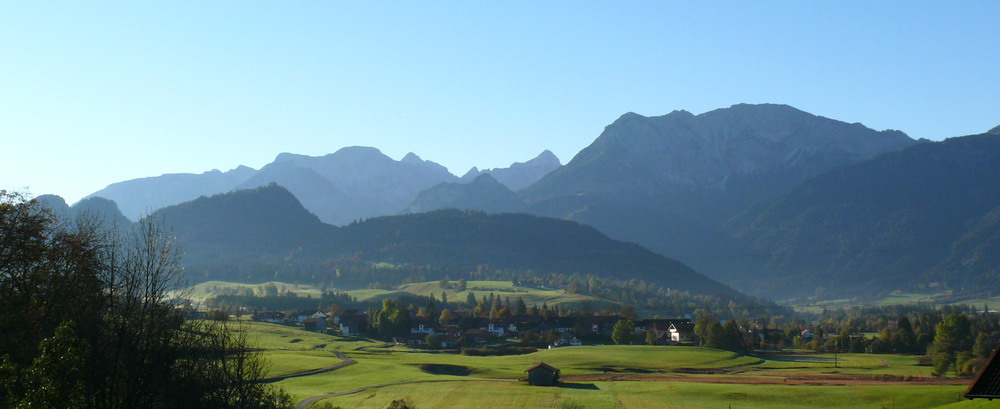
96, 93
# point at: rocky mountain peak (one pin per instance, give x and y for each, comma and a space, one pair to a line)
471, 174
412, 158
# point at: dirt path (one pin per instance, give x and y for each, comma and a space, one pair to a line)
346, 362
309, 401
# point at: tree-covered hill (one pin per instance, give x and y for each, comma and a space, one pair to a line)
265, 233
923, 215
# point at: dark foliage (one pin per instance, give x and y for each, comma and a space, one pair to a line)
926, 214
86, 323
264, 233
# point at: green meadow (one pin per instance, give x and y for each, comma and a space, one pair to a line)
532, 296
697, 377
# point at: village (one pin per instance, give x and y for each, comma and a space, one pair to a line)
468, 331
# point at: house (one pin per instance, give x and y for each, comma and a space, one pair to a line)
542, 375
423, 326
660, 326
301, 316
682, 332
272, 317
496, 327
353, 324
317, 325
602, 325
807, 335
564, 339
987, 383
563, 324
478, 335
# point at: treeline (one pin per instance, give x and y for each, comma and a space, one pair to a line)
86, 322
953, 338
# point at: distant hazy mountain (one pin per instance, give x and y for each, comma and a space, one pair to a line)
350, 184
670, 182
377, 184
103, 210
484, 193
924, 215
265, 234
315, 192
138, 197
520, 174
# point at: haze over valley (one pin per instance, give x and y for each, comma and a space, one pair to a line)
768, 199
503, 205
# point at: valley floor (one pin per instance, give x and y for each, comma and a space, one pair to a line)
598, 377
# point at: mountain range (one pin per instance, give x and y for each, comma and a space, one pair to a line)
770, 199
350, 184
236, 233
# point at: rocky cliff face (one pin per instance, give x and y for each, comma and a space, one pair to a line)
671, 182
719, 150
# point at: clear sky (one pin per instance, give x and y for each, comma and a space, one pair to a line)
93, 93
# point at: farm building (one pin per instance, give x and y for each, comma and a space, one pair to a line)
542, 375
317, 325
987, 383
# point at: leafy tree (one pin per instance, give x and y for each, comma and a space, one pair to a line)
446, 317
983, 347
461, 285
392, 319
85, 316
55, 379
650, 337
622, 332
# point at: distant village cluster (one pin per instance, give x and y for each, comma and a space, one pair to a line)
465, 330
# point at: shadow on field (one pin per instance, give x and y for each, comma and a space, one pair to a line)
569, 385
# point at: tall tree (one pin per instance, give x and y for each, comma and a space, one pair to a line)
622, 332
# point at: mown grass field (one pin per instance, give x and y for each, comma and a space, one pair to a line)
202, 291
696, 378
532, 296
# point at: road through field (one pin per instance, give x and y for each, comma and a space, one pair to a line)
346, 362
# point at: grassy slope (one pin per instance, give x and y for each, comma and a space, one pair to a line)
481, 388
532, 296
650, 395
202, 291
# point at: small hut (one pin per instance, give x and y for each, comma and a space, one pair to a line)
987, 383
542, 375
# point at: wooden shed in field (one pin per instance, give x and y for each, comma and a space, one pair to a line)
542, 375
987, 383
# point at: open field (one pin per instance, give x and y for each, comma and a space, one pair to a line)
532, 296
901, 298
202, 291
504, 289
603, 377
